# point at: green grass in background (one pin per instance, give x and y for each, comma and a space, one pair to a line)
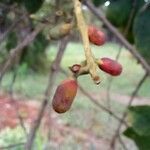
33, 85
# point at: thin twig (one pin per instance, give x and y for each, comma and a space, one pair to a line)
100, 15
126, 112
53, 72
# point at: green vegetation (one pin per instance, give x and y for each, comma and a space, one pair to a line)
142, 32
17, 136
26, 82
139, 131
131, 18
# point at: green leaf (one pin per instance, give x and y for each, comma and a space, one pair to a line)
143, 142
140, 119
33, 5
141, 31
10, 1
11, 41
35, 55
139, 130
98, 2
118, 12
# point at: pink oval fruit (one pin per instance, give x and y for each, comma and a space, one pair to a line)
64, 95
110, 66
96, 36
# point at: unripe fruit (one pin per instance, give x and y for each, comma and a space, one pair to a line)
60, 31
110, 66
96, 36
64, 95
65, 29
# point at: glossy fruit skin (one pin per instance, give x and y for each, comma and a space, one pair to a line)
96, 36
64, 95
110, 66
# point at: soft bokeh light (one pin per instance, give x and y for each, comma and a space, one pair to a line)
107, 3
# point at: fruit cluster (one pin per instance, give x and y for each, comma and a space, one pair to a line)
66, 91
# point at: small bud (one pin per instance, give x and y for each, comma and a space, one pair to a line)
96, 36
60, 31
75, 68
65, 29
110, 66
64, 95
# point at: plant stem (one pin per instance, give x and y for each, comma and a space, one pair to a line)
84, 34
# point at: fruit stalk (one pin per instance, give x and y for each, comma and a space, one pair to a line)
84, 34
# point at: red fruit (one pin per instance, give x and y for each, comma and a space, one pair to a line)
75, 68
96, 36
110, 66
64, 95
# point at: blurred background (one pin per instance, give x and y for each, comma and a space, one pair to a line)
34, 52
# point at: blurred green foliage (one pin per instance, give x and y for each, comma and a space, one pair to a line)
123, 84
139, 130
33, 5
118, 12
98, 2
9, 137
132, 20
14, 136
11, 41
141, 30
143, 142
139, 118
34, 55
